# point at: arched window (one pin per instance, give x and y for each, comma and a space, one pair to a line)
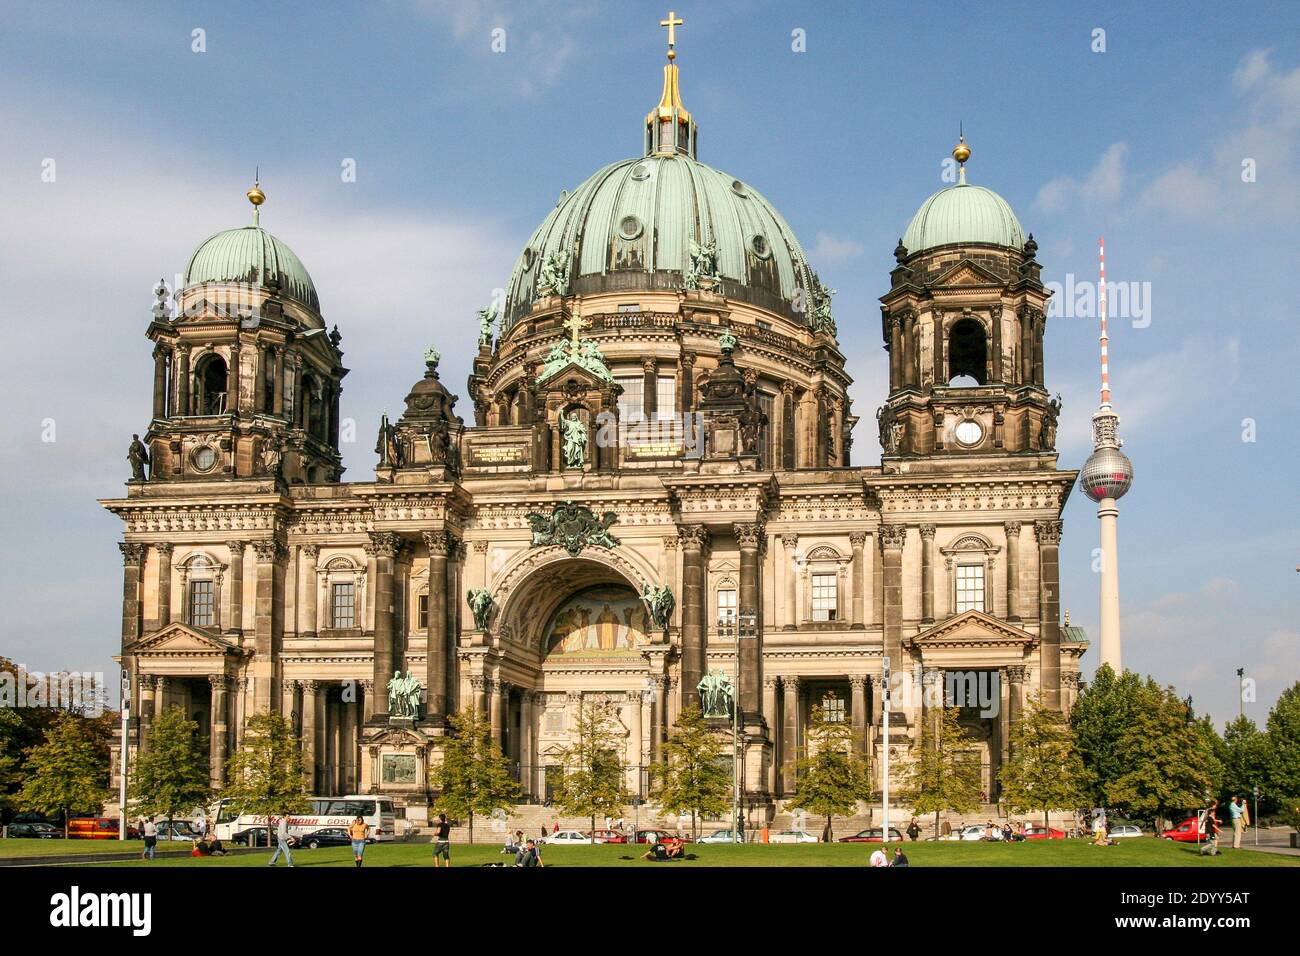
201, 585
967, 353
970, 561
725, 597
343, 580
824, 567
210, 385
268, 381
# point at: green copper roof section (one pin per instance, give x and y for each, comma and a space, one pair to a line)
641, 216
963, 214
251, 255
1073, 634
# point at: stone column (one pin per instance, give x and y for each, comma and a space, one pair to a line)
160, 381
694, 539
160, 697
268, 621
1040, 326
877, 585
235, 614
789, 548
164, 552
219, 730
892, 539
649, 387
1013, 570
858, 540
658, 705
259, 378
858, 710
383, 549
927, 573
769, 714
995, 324
182, 353
787, 425
1026, 346
750, 537
232, 380
435, 634
148, 685
895, 352
937, 347
290, 709
479, 685
499, 704
241, 689
1049, 614
686, 394
637, 753
790, 741
277, 385
367, 700
132, 561
1016, 675
310, 690
311, 591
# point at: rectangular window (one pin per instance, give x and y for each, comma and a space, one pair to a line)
665, 397
726, 607
201, 603
422, 615
825, 597
628, 307
766, 454
343, 605
631, 404
970, 587
833, 708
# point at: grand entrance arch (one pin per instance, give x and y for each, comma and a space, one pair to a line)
571, 631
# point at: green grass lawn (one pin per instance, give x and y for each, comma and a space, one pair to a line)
1068, 853
25, 848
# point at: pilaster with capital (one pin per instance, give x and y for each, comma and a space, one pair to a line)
694, 540
790, 560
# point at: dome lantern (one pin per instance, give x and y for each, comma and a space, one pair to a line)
669, 127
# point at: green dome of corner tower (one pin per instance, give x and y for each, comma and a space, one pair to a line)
963, 214
251, 255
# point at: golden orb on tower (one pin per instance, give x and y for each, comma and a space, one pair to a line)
255, 195
961, 152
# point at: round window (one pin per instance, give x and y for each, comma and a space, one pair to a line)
760, 247
630, 227
968, 432
528, 259
738, 188
204, 458
640, 172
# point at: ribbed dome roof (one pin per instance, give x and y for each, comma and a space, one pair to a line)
963, 214
630, 226
251, 254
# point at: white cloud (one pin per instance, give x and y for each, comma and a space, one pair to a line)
1254, 67
832, 249
1104, 183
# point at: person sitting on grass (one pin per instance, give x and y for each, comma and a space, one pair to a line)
900, 858
666, 848
211, 846
529, 855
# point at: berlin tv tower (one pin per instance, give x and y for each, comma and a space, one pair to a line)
1107, 476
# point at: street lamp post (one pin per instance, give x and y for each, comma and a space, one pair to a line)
745, 631
123, 756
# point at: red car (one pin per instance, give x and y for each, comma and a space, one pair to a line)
608, 836
1044, 833
872, 835
1189, 831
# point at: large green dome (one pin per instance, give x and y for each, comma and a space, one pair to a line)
963, 214
631, 225
251, 255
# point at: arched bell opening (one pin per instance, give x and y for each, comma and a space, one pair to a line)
967, 354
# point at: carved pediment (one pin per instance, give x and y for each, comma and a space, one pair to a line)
973, 629
183, 639
967, 272
582, 378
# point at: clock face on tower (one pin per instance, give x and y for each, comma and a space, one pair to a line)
968, 432
204, 458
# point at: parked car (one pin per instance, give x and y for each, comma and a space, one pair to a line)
257, 836
792, 836
327, 836
1189, 831
176, 830
872, 835
1126, 831
652, 835
721, 836
34, 831
608, 836
569, 838
94, 828
1044, 833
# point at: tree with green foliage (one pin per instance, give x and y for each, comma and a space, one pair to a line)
11, 756
1045, 771
943, 773
171, 777
474, 776
1244, 753
1169, 756
1101, 714
265, 775
832, 775
593, 777
1283, 728
694, 775
65, 774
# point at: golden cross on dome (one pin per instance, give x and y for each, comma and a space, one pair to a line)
575, 325
672, 23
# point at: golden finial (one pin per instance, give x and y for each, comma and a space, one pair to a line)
255, 195
672, 23
961, 153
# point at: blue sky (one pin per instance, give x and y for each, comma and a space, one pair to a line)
460, 151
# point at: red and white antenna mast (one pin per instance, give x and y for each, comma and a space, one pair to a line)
1105, 338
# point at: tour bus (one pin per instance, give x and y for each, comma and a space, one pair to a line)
322, 812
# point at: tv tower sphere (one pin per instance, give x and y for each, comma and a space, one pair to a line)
1106, 474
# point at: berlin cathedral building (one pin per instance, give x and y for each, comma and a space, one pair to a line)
658, 475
